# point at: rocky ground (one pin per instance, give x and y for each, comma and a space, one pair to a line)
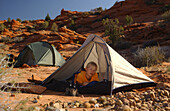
153, 98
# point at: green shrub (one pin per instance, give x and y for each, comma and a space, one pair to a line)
2, 27
11, 40
9, 20
113, 30
18, 19
150, 43
97, 13
72, 25
86, 13
165, 8
166, 16
2, 46
47, 18
149, 56
99, 9
74, 17
54, 27
123, 45
152, 2
44, 25
129, 20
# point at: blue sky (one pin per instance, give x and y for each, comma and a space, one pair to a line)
38, 9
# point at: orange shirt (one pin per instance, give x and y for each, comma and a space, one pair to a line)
81, 77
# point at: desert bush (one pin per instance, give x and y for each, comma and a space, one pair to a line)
72, 25
17, 39
99, 9
123, 45
149, 56
165, 8
97, 13
2, 27
11, 40
44, 25
166, 16
54, 27
4, 77
18, 19
113, 30
129, 20
58, 18
150, 43
74, 17
86, 13
152, 2
9, 20
47, 18
28, 27
2, 46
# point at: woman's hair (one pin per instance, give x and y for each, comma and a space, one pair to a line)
91, 63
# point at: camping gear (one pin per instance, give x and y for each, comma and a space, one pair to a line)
39, 53
115, 73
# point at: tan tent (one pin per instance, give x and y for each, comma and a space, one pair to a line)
111, 66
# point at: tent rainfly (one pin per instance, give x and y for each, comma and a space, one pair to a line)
40, 53
112, 67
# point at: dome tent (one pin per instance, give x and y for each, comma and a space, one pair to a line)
39, 53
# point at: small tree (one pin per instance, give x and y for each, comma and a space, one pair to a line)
2, 27
129, 20
166, 16
113, 30
9, 20
18, 19
47, 18
54, 27
44, 25
99, 9
72, 25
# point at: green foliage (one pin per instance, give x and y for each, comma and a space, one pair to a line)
150, 43
2, 46
152, 2
44, 25
97, 13
9, 20
2, 27
149, 56
165, 8
86, 13
113, 30
123, 45
74, 17
166, 16
129, 20
72, 25
54, 27
18, 19
99, 9
11, 40
47, 18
